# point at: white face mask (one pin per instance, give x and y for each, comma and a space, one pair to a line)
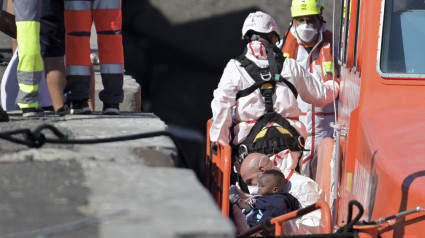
306, 32
253, 189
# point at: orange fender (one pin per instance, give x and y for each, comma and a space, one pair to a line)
324, 171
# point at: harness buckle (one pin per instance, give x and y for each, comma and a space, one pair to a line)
243, 152
266, 76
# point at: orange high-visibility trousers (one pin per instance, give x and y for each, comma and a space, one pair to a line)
79, 16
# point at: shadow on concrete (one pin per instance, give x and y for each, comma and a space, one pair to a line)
54, 209
179, 66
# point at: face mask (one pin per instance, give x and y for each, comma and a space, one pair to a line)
306, 32
253, 189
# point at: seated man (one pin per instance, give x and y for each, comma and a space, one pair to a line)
301, 187
271, 202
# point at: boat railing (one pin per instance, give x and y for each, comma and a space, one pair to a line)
278, 222
218, 169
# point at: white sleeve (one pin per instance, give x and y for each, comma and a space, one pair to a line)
311, 194
310, 88
223, 103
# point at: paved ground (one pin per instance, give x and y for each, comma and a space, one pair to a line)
134, 188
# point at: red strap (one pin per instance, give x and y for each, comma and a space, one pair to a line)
251, 122
290, 175
319, 114
287, 118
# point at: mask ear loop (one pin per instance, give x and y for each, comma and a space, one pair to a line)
259, 165
261, 159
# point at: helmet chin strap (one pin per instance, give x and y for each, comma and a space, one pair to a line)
271, 49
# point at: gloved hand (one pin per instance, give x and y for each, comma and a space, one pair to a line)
279, 44
233, 194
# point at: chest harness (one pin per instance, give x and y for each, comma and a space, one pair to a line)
274, 138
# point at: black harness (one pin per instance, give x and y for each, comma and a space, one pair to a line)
275, 138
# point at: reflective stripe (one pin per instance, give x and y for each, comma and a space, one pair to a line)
286, 55
78, 70
27, 10
111, 68
28, 36
28, 88
287, 118
260, 134
283, 130
78, 5
107, 4
29, 78
25, 105
327, 68
26, 100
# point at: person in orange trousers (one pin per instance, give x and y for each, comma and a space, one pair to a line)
79, 16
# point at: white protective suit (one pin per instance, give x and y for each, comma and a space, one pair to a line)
249, 108
304, 189
316, 118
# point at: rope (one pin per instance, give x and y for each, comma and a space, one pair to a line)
333, 59
36, 139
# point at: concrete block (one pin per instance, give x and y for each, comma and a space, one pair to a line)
132, 101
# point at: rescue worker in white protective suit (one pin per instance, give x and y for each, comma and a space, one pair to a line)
310, 44
304, 189
250, 97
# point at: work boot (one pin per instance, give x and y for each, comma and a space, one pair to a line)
32, 112
65, 110
79, 107
3, 115
111, 109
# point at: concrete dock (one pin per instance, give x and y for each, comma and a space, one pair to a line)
133, 188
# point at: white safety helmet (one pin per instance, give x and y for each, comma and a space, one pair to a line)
259, 22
